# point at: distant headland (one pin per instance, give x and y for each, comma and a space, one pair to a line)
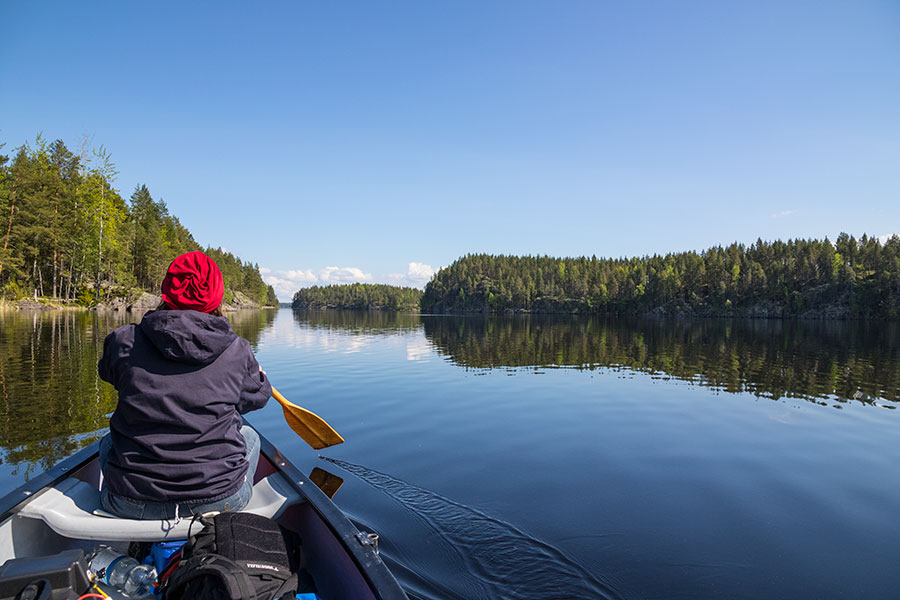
812, 279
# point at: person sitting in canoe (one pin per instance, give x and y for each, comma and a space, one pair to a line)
176, 445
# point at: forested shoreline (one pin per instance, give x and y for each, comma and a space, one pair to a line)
846, 279
849, 278
67, 236
358, 296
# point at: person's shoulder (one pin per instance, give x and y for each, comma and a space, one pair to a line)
242, 349
243, 344
123, 335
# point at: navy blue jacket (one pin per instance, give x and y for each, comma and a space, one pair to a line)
184, 380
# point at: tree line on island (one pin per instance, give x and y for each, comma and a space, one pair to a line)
66, 233
362, 296
849, 278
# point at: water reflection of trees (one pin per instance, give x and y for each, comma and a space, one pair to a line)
52, 402
250, 324
353, 322
813, 360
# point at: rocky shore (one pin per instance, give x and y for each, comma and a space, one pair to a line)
135, 303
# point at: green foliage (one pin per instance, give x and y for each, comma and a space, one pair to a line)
271, 298
85, 297
365, 296
67, 234
848, 278
12, 291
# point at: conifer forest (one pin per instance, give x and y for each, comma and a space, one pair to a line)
66, 234
847, 278
365, 296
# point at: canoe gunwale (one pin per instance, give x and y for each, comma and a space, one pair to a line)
370, 566
26, 492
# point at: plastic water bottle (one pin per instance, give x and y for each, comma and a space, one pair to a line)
123, 573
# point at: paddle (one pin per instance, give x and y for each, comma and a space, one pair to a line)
308, 425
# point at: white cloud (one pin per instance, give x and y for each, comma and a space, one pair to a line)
285, 283
884, 239
420, 271
343, 275
301, 276
783, 213
417, 275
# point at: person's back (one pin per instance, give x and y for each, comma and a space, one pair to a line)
176, 444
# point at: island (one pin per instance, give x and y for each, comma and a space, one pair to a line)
358, 296
844, 279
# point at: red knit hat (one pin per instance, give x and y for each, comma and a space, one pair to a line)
193, 282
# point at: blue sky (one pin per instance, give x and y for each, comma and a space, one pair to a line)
342, 141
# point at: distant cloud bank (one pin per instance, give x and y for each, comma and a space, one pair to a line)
286, 282
417, 275
330, 275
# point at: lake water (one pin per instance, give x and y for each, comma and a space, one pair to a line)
535, 458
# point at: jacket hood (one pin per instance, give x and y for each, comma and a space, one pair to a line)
188, 336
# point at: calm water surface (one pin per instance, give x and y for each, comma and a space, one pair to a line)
535, 458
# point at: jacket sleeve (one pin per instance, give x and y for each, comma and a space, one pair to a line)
256, 389
116, 346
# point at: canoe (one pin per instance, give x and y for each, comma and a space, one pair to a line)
59, 511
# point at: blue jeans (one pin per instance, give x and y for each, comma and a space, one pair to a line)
128, 508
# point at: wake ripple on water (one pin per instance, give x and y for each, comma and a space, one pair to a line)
501, 560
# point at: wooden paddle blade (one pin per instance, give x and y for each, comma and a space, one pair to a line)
307, 424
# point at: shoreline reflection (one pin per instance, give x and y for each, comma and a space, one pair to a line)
815, 361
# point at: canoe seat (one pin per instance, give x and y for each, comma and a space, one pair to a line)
72, 509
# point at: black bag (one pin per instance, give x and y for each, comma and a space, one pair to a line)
235, 556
